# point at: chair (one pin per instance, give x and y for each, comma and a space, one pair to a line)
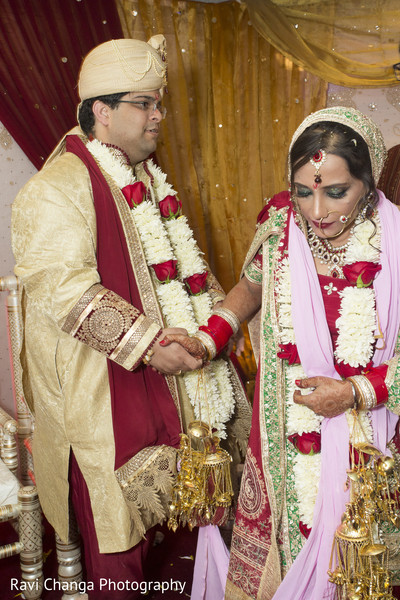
17, 455
22, 509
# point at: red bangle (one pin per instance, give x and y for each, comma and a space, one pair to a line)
377, 379
219, 330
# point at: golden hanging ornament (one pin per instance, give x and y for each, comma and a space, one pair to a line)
359, 550
202, 494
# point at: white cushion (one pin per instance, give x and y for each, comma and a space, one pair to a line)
9, 486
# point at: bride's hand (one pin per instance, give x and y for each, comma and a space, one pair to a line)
330, 398
191, 344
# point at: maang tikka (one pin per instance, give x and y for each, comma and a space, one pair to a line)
317, 161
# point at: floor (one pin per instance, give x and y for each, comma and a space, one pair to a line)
170, 564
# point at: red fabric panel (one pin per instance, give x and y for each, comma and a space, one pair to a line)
38, 96
120, 566
143, 409
377, 378
248, 557
332, 302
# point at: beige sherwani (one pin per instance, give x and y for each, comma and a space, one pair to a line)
65, 380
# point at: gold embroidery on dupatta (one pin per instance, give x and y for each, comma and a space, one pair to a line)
273, 436
252, 498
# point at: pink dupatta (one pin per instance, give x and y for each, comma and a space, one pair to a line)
307, 578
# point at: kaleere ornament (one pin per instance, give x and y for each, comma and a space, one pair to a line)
359, 564
202, 494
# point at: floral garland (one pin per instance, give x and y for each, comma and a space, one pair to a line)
178, 271
355, 345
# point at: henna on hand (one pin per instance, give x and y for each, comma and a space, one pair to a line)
330, 397
190, 344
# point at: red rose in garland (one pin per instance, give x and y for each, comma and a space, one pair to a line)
289, 352
134, 193
362, 273
306, 443
166, 271
304, 529
196, 284
170, 207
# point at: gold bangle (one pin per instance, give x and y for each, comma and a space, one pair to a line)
216, 296
202, 345
353, 389
365, 393
147, 357
208, 343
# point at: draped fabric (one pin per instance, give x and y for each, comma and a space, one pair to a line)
345, 42
42, 43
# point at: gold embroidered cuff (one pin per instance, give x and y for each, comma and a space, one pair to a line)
228, 316
366, 397
107, 323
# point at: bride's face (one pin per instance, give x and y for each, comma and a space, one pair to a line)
338, 194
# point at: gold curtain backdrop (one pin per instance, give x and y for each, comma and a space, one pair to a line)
351, 43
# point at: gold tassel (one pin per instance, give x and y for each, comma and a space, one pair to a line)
202, 494
358, 549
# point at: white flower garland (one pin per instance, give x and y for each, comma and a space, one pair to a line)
300, 419
212, 394
356, 327
357, 323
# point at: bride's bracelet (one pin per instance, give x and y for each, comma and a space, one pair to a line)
207, 343
363, 392
228, 316
220, 327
